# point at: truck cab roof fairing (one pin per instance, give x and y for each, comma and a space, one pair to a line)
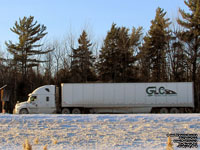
43, 90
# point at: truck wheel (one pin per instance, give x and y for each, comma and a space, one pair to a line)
65, 111
188, 110
164, 111
181, 110
76, 111
23, 111
174, 111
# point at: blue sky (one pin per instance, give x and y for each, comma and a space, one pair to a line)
62, 16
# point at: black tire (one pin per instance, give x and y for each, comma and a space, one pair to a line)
164, 111
76, 111
174, 111
66, 111
181, 110
189, 110
23, 111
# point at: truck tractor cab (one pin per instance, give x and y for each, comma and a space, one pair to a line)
41, 100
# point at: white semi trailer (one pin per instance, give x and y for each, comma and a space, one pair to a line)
77, 98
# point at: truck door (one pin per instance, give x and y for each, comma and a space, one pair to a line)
42, 104
46, 104
50, 104
33, 105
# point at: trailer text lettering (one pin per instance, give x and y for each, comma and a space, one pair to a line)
161, 91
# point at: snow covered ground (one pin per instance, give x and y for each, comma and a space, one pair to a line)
85, 132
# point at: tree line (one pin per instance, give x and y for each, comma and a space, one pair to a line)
166, 53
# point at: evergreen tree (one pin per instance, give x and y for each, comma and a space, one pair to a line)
191, 36
82, 65
29, 33
108, 58
116, 59
153, 51
144, 57
177, 59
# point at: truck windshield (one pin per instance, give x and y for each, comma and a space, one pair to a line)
33, 98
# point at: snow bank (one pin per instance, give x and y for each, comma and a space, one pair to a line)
123, 131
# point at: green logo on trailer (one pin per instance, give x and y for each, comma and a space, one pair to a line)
161, 91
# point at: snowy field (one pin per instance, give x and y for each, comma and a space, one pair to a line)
85, 132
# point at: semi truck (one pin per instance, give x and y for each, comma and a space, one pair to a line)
78, 98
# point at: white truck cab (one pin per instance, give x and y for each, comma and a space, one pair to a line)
41, 100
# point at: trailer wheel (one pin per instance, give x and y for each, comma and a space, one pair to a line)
181, 110
164, 111
23, 111
76, 111
174, 110
188, 110
65, 111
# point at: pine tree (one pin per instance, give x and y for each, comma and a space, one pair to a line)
191, 36
153, 51
108, 58
116, 59
29, 33
82, 65
144, 57
177, 59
